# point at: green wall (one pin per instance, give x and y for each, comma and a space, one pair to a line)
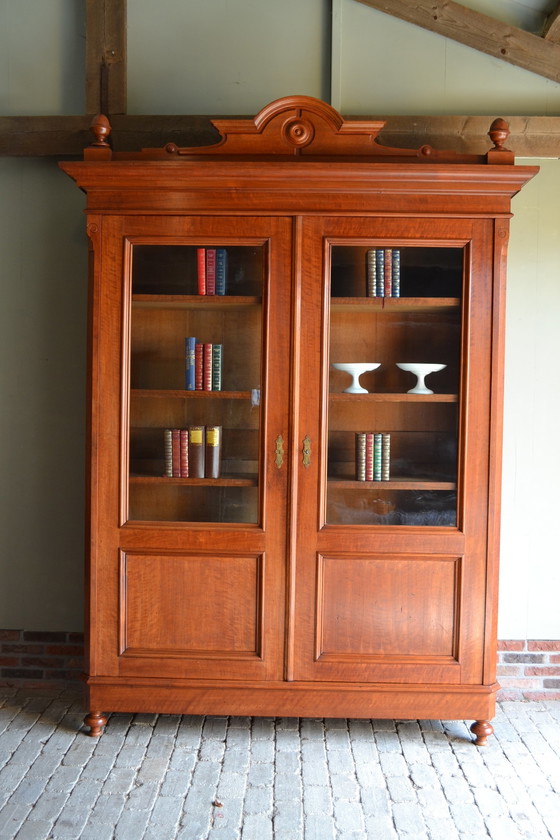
225, 57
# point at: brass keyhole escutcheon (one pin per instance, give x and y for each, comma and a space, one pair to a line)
279, 459
306, 451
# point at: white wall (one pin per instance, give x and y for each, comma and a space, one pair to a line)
222, 57
530, 578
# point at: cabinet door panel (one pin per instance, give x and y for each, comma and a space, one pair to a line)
363, 611
191, 607
203, 549
400, 606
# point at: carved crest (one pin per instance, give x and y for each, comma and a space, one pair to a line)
302, 127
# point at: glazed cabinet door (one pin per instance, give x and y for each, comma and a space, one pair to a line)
388, 578
190, 382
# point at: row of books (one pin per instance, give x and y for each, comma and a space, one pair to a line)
212, 265
373, 456
203, 365
383, 272
194, 452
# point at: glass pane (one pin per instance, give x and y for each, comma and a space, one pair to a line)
195, 380
395, 352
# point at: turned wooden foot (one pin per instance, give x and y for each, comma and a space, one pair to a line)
482, 729
96, 721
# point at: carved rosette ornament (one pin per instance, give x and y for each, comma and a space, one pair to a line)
92, 231
298, 132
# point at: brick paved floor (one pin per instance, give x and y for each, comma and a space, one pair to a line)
169, 777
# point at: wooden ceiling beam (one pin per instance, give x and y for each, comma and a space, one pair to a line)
483, 33
68, 136
106, 57
551, 29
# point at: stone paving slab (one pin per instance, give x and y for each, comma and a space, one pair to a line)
172, 777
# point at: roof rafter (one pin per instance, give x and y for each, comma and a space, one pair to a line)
488, 35
106, 91
551, 29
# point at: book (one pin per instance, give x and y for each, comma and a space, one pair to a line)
377, 444
380, 271
385, 457
196, 451
221, 271
388, 272
371, 273
199, 366
168, 452
213, 451
201, 270
210, 271
360, 456
369, 456
217, 367
175, 454
190, 382
396, 274
383, 272
373, 456
184, 452
207, 366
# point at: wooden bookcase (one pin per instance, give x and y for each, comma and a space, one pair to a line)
288, 585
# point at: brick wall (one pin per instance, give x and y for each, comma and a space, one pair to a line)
29, 657
527, 670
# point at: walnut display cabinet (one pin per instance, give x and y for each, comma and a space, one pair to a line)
270, 533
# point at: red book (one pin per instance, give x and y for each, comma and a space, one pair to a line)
207, 367
184, 452
198, 366
210, 271
388, 273
201, 269
175, 453
369, 456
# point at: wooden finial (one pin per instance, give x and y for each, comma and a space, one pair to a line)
498, 134
101, 129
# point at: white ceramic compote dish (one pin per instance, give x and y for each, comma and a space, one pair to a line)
420, 370
355, 369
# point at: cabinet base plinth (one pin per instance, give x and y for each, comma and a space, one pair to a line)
449, 702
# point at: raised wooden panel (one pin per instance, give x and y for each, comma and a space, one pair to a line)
387, 606
191, 604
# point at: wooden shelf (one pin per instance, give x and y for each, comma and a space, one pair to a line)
412, 398
195, 301
397, 304
223, 481
197, 395
393, 484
